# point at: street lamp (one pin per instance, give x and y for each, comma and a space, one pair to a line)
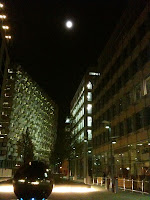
2, 16
108, 126
1, 5
5, 27
8, 37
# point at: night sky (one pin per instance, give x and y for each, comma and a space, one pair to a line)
54, 56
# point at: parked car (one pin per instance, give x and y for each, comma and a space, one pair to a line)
33, 180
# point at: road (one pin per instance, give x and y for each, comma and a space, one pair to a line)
68, 192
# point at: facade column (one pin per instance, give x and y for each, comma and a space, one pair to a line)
85, 162
75, 171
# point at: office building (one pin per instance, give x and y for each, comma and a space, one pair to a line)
27, 107
81, 128
121, 115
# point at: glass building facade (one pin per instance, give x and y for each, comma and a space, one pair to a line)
81, 128
26, 106
122, 98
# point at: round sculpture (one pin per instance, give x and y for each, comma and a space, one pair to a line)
33, 181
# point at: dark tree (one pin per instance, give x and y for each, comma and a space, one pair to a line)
25, 147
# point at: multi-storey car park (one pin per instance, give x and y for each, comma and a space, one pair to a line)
121, 98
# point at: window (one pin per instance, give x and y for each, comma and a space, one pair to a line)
120, 105
107, 136
148, 85
141, 32
89, 108
129, 125
113, 131
89, 134
129, 98
114, 110
119, 84
10, 71
133, 43
147, 116
125, 76
144, 56
121, 129
138, 120
89, 85
89, 121
89, 96
138, 92
134, 68
113, 90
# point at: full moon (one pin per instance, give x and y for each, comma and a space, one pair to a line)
69, 24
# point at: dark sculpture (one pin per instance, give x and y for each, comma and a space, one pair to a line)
33, 181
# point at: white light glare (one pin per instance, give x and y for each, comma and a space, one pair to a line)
72, 189
35, 183
7, 36
5, 27
107, 127
89, 106
21, 180
1, 5
2, 16
139, 144
69, 24
6, 188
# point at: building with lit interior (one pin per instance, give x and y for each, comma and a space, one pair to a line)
121, 105
30, 108
81, 128
4, 71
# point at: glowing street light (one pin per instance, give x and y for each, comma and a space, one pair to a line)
2, 16
8, 37
5, 27
1, 5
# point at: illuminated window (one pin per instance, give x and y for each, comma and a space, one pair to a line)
89, 121
82, 136
10, 71
94, 73
89, 108
89, 96
89, 134
89, 85
5, 103
67, 120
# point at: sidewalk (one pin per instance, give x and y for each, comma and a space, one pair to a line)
120, 195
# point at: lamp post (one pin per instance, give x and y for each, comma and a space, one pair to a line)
108, 126
5, 28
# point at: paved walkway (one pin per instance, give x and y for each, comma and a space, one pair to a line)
120, 195
100, 194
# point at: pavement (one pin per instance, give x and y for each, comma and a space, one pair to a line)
100, 193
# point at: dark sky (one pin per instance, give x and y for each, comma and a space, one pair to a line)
56, 57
